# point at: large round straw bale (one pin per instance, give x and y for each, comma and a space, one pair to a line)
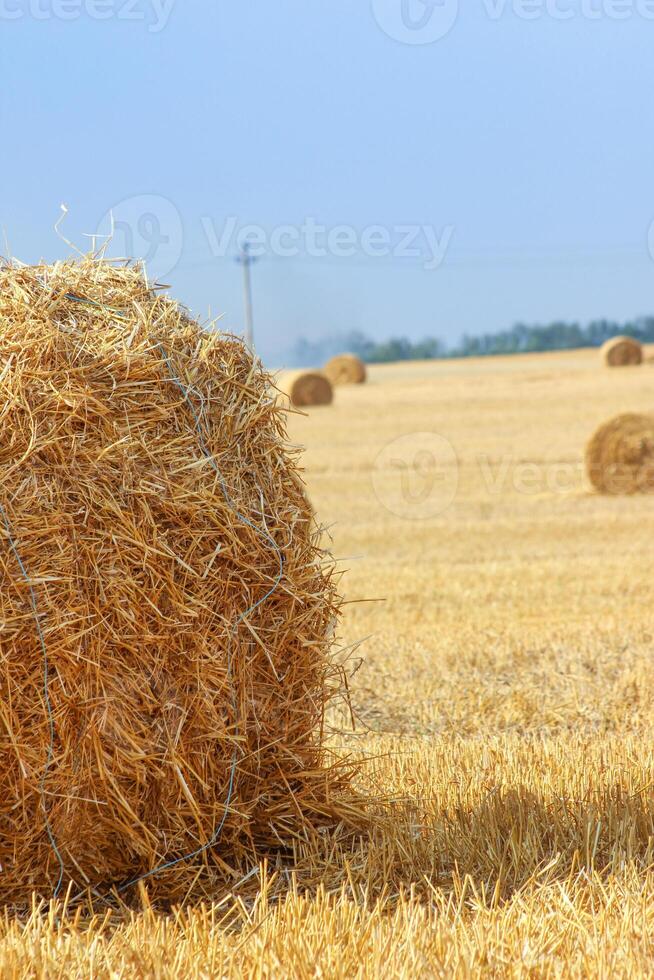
345, 369
620, 456
621, 352
307, 388
165, 612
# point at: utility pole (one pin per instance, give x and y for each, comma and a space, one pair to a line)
246, 259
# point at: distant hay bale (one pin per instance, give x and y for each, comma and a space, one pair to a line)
166, 614
345, 369
622, 352
620, 456
307, 388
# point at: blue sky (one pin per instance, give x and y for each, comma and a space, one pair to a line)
396, 181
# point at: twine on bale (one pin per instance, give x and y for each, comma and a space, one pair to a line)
620, 455
346, 369
177, 718
216, 835
232, 774
622, 352
46, 698
217, 832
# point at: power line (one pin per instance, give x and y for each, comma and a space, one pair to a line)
458, 260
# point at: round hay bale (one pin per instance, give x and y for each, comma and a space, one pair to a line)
345, 369
620, 456
308, 388
622, 352
166, 615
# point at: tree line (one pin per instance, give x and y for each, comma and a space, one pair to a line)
519, 339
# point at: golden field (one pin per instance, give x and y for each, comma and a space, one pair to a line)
503, 701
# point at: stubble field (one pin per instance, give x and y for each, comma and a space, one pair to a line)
503, 701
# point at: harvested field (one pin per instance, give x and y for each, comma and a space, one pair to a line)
504, 703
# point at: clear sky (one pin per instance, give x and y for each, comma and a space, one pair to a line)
409, 167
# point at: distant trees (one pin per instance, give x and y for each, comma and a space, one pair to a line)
552, 336
519, 339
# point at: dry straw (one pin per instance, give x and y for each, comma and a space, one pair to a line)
622, 352
307, 388
620, 456
345, 369
166, 614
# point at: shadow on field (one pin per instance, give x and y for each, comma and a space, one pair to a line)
515, 834
511, 838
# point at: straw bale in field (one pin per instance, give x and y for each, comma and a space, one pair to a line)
345, 369
620, 455
622, 352
165, 611
307, 388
